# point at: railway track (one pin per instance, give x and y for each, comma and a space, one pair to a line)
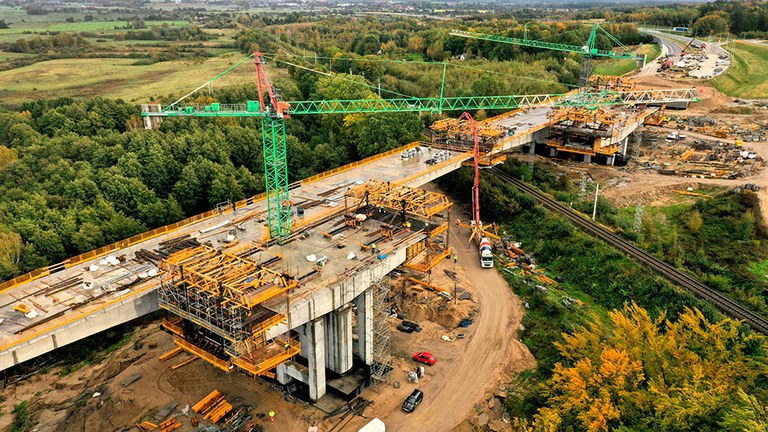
724, 303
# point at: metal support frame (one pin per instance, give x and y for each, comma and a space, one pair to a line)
276, 175
382, 357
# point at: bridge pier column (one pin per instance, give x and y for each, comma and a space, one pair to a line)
624, 143
587, 158
610, 160
338, 335
364, 304
312, 338
281, 374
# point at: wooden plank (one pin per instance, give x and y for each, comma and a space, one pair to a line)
172, 353
184, 363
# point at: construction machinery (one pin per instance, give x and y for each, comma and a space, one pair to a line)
274, 111
587, 50
480, 233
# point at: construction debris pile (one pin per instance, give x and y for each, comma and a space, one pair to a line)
746, 131
677, 154
213, 409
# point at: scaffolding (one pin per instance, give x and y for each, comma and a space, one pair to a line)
382, 359
404, 207
217, 299
458, 135
611, 83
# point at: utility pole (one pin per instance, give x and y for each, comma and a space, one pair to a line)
594, 207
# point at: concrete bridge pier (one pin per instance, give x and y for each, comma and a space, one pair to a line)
312, 338
364, 303
338, 338
624, 145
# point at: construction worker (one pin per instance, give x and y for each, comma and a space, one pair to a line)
455, 258
287, 346
458, 223
408, 226
272, 416
373, 248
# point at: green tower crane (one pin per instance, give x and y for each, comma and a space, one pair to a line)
273, 113
588, 50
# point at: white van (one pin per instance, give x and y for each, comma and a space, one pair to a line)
374, 425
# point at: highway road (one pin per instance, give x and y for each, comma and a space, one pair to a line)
672, 45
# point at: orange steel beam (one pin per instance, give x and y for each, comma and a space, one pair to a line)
203, 354
207, 402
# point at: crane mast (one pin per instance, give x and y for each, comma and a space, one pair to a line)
587, 50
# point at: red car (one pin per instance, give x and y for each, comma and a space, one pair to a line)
425, 357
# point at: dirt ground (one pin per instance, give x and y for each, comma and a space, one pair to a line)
458, 389
68, 403
624, 188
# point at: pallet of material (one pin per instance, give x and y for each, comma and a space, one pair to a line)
169, 425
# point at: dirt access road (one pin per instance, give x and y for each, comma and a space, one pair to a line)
476, 368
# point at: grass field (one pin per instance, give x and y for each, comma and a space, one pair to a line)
92, 26
118, 78
620, 67
746, 77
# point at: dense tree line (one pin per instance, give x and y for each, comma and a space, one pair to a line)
167, 33
634, 372
79, 174
62, 42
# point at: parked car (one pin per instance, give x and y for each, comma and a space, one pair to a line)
425, 357
408, 327
413, 400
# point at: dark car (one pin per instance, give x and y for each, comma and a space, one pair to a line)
408, 327
413, 400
